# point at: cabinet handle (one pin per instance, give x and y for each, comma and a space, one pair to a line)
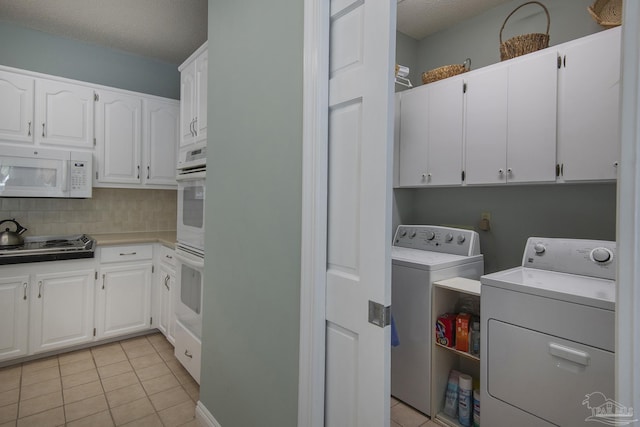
138, 171
103, 276
189, 355
195, 126
127, 253
29, 129
40, 289
166, 279
615, 164
168, 256
43, 130
147, 171
509, 171
500, 171
24, 286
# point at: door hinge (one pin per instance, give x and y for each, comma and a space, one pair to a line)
379, 314
96, 97
464, 88
463, 176
94, 332
559, 62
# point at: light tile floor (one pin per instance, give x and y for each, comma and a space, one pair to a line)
135, 382
405, 416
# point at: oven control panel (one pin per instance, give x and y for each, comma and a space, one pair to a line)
456, 241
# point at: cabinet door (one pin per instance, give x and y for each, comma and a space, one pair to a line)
124, 299
187, 105
16, 107
165, 284
531, 126
64, 114
119, 138
445, 132
61, 310
200, 124
161, 142
14, 312
414, 107
486, 126
589, 111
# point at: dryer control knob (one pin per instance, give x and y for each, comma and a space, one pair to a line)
403, 233
461, 239
448, 238
539, 248
601, 255
431, 235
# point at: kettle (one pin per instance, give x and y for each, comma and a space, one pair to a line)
11, 239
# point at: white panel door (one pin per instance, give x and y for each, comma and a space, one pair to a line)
445, 132
124, 299
119, 138
589, 111
16, 107
187, 104
64, 114
531, 128
61, 310
486, 126
160, 141
14, 316
362, 40
414, 131
200, 124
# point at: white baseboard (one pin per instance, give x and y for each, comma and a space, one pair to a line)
204, 417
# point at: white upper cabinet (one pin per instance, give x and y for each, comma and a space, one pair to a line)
16, 107
64, 114
430, 149
589, 111
161, 122
118, 138
193, 98
511, 121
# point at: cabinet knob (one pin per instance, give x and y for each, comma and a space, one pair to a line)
616, 164
509, 170
500, 171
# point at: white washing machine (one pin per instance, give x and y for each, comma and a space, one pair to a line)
548, 328
421, 255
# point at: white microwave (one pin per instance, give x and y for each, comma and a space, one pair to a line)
36, 172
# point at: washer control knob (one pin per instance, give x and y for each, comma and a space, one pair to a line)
403, 233
601, 255
539, 248
413, 234
448, 238
430, 235
461, 239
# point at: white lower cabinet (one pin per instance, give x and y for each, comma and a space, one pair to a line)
14, 316
165, 282
123, 290
61, 309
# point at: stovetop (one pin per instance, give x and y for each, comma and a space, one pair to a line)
49, 248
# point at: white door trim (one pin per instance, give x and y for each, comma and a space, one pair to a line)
628, 224
314, 214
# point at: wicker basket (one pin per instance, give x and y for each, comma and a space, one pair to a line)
524, 43
445, 72
607, 13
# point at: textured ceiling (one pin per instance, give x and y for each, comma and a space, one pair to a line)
168, 30
419, 18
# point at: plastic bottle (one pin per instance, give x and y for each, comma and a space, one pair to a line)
475, 339
465, 401
476, 408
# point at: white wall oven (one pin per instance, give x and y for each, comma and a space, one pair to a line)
192, 171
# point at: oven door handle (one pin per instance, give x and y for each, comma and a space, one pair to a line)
194, 176
190, 261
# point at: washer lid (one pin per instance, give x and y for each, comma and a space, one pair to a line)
585, 290
427, 260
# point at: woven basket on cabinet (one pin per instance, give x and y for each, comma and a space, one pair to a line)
524, 43
445, 71
607, 13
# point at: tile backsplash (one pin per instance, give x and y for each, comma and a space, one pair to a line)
110, 210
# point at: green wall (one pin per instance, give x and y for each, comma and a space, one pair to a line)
252, 291
32, 50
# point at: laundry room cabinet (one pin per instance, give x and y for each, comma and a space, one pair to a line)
16, 107
589, 110
446, 295
14, 315
511, 121
430, 146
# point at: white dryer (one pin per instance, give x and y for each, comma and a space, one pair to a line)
421, 255
548, 328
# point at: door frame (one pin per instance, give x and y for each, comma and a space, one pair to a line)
314, 213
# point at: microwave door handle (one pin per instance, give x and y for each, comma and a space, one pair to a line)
189, 261
65, 176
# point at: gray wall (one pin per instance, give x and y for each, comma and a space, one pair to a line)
252, 273
478, 38
32, 50
407, 55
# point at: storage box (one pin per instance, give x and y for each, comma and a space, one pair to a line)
445, 329
463, 321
